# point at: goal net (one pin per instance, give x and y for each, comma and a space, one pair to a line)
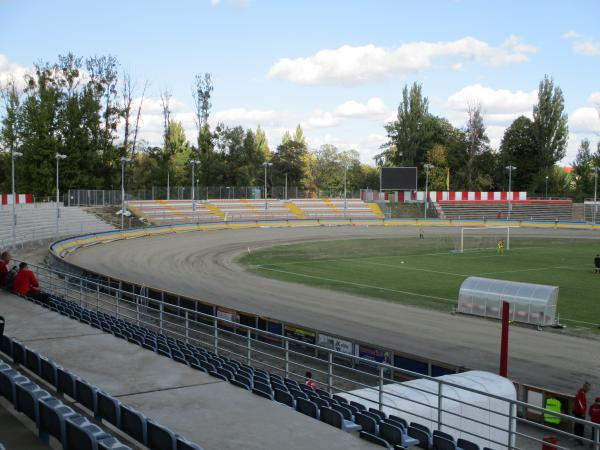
483, 238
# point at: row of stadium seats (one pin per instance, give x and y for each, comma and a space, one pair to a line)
51, 416
391, 432
561, 210
35, 222
54, 418
162, 212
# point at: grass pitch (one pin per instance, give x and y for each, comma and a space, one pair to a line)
428, 273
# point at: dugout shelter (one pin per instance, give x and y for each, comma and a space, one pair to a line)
530, 303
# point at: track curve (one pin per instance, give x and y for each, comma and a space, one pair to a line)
202, 265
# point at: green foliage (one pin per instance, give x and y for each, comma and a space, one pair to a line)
518, 148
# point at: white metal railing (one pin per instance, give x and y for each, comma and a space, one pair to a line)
339, 372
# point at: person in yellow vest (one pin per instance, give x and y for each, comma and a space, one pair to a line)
501, 247
554, 405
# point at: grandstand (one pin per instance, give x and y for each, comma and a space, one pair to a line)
163, 212
530, 210
37, 221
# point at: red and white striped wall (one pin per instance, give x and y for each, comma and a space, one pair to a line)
438, 196
7, 199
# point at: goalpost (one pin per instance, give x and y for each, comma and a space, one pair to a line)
483, 238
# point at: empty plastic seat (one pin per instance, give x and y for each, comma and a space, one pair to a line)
339, 399
85, 395
381, 414
466, 445
111, 443
18, 352
81, 434
307, 407
184, 444
27, 396
367, 423
32, 361
263, 393
395, 435
133, 423
6, 345
52, 418
442, 443
335, 418
398, 420
443, 434
360, 406
261, 385
420, 427
343, 410
8, 381
159, 437
284, 397
374, 439
65, 382
423, 438
241, 383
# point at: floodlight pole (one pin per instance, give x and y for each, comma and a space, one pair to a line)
510, 169
427, 167
193, 162
546, 187
265, 165
595, 193
286, 187
345, 188
14, 155
58, 157
123, 161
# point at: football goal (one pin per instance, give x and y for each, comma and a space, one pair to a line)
483, 238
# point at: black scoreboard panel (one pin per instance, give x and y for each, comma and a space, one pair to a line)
399, 178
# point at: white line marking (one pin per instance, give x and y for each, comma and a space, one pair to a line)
403, 267
357, 284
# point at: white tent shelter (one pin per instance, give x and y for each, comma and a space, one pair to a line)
417, 401
529, 303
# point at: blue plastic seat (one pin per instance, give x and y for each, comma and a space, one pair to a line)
284, 397
395, 435
111, 443
307, 407
466, 445
367, 423
159, 437
442, 443
241, 384
424, 439
86, 395
336, 419
262, 393
184, 444
133, 423
81, 434
65, 382
48, 371
374, 439
27, 397
8, 381
52, 418
360, 406
18, 352
32, 361
6, 345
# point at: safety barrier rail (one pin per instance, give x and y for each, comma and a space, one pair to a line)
337, 370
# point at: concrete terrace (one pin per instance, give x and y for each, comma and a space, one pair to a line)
208, 411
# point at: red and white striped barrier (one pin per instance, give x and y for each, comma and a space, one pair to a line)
7, 199
439, 196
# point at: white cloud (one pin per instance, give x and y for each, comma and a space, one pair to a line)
237, 116
373, 108
356, 64
322, 119
594, 98
493, 101
587, 47
367, 147
585, 120
571, 35
12, 72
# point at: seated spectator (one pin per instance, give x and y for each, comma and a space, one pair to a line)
26, 284
4, 260
310, 382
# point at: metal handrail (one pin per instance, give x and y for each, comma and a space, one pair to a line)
98, 295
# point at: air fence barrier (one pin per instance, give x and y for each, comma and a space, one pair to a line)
336, 368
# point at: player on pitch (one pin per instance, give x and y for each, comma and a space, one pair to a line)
501, 246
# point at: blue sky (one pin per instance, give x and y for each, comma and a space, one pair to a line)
336, 67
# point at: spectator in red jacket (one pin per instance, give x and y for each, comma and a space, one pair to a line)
4, 260
26, 284
310, 382
595, 417
580, 410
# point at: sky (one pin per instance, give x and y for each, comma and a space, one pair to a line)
337, 68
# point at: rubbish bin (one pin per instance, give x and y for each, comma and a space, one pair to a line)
1, 325
550, 443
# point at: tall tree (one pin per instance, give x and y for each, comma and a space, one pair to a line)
582, 169
477, 146
202, 92
550, 129
518, 148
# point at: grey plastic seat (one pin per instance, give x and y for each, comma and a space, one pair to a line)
399, 420
360, 406
81, 434
441, 443
159, 437
381, 414
443, 434
395, 435
339, 399
335, 418
133, 423
345, 412
424, 439
53, 415
108, 408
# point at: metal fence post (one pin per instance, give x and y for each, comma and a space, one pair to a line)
137, 310
249, 346
330, 373
80, 292
287, 358
380, 388
510, 426
97, 297
216, 336
160, 319
439, 407
187, 327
